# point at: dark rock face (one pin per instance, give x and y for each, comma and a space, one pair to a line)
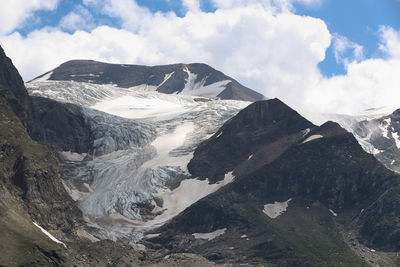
261, 125
323, 168
11, 80
134, 75
63, 126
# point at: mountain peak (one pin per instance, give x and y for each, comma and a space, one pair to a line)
197, 79
258, 128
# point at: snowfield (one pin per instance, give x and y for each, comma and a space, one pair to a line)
312, 137
209, 236
276, 209
135, 177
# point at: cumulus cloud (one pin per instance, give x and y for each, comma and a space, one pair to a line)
79, 19
275, 4
14, 13
191, 5
342, 46
261, 43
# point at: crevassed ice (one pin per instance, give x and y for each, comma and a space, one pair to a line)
142, 143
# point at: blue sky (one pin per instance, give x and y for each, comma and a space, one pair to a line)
325, 54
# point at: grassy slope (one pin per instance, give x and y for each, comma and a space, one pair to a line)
22, 243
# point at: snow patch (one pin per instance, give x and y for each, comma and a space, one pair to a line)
72, 156
44, 78
376, 151
333, 213
189, 191
149, 236
209, 236
276, 209
198, 89
396, 139
166, 78
166, 143
312, 137
49, 235
306, 131
384, 127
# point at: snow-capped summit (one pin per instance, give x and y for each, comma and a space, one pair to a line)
189, 79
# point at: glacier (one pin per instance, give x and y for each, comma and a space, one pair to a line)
134, 178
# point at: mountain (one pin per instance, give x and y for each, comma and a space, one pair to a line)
189, 79
377, 131
381, 136
121, 172
318, 199
255, 136
40, 224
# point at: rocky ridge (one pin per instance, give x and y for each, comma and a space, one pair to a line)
193, 79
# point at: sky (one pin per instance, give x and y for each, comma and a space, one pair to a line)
330, 56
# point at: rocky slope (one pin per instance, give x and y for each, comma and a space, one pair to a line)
30, 185
190, 79
292, 210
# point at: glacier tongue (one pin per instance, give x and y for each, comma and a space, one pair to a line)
142, 143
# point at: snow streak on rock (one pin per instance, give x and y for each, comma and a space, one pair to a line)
209, 236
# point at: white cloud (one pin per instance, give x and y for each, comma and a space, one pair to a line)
191, 5
79, 19
342, 45
390, 41
15, 12
280, 4
132, 15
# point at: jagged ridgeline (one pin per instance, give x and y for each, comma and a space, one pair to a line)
180, 167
